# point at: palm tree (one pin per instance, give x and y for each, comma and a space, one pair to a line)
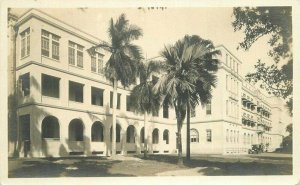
122, 64
142, 97
188, 79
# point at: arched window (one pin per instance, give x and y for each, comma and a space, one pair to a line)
194, 136
142, 135
76, 130
118, 133
155, 136
130, 134
97, 131
50, 127
245, 142
166, 136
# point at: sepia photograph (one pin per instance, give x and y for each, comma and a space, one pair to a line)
149, 91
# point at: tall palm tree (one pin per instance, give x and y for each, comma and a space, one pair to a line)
142, 97
122, 64
188, 80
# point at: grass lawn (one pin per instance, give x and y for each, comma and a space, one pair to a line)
121, 166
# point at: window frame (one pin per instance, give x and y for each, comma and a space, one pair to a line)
52, 84
76, 57
53, 45
25, 43
208, 135
24, 81
194, 135
101, 104
75, 98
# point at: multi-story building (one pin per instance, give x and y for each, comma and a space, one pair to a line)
60, 102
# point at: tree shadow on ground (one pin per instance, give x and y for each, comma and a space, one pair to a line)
64, 167
219, 166
273, 158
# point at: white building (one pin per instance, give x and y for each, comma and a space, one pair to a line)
63, 102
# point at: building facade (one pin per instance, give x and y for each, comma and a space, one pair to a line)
60, 103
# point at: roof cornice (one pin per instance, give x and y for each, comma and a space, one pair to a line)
33, 13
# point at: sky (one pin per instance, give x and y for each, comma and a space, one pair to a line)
163, 27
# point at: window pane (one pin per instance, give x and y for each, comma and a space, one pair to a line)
71, 56
23, 47
55, 37
45, 46
208, 135
45, 33
55, 50
93, 64
28, 45
100, 65
79, 59
79, 47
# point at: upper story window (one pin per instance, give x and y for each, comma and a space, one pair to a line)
97, 63
25, 43
50, 86
75, 54
50, 40
25, 84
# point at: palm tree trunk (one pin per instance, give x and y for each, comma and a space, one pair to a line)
188, 144
145, 135
114, 118
179, 143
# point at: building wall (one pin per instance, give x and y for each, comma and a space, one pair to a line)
229, 133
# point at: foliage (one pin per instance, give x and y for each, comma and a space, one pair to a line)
260, 21
142, 97
289, 129
275, 80
122, 64
189, 67
277, 23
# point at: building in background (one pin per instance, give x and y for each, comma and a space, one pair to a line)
60, 102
